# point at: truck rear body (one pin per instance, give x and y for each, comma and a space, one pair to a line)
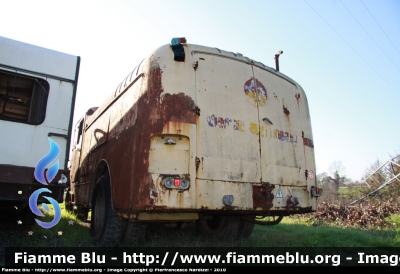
213, 134
235, 132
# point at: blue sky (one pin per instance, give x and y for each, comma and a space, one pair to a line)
345, 54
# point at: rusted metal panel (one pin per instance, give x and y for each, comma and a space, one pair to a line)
156, 109
144, 216
123, 113
80, 193
85, 149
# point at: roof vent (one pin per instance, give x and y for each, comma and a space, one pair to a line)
276, 60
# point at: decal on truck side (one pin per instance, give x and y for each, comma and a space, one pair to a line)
256, 90
220, 122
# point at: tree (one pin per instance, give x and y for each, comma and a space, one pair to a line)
337, 170
330, 193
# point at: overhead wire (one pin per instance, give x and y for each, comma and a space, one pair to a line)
380, 27
351, 46
369, 35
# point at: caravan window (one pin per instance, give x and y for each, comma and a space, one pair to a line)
23, 98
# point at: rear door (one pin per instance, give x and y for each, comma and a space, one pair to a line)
281, 130
226, 147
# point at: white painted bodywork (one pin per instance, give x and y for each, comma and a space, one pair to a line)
24, 144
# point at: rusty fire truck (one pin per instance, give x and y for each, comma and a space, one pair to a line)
194, 134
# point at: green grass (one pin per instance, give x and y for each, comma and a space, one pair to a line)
351, 193
74, 232
291, 232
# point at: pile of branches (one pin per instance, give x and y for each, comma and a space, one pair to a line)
360, 215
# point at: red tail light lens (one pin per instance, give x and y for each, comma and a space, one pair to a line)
316, 192
177, 182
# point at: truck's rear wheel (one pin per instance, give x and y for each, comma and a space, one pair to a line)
105, 228
222, 227
135, 233
245, 229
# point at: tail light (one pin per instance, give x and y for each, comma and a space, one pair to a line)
176, 183
316, 192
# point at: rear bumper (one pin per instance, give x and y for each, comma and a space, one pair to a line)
207, 198
175, 215
248, 197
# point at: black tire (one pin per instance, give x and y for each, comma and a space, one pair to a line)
135, 233
220, 227
245, 229
106, 229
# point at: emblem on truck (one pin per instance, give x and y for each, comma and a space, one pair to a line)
41, 175
255, 90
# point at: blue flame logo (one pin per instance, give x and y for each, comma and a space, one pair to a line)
51, 173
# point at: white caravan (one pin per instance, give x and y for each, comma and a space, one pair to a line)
37, 99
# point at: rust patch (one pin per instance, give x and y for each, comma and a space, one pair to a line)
196, 110
306, 141
285, 110
292, 202
178, 108
197, 163
161, 108
263, 196
297, 98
